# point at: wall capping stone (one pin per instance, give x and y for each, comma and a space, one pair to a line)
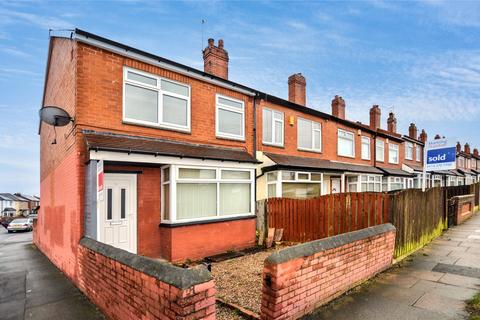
310, 248
164, 271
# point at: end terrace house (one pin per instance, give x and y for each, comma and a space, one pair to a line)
177, 146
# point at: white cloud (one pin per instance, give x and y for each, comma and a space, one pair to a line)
46, 22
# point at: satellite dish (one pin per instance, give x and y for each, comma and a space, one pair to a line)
55, 116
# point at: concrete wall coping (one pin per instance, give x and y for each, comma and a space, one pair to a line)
464, 198
310, 248
180, 278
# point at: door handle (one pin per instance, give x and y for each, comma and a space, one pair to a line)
116, 223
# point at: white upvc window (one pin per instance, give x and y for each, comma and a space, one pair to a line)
408, 150
365, 148
291, 184
418, 151
393, 183
272, 127
364, 183
309, 135
379, 150
346, 143
229, 118
393, 153
193, 193
154, 101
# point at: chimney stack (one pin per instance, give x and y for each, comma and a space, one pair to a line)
297, 89
215, 59
412, 131
375, 116
475, 152
459, 147
423, 136
466, 148
392, 123
338, 107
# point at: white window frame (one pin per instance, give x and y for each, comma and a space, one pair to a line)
418, 152
368, 141
312, 148
282, 121
379, 144
174, 181
161, 93
353, 143
279, 182
409, 147
218, 106
393, 146
376, 179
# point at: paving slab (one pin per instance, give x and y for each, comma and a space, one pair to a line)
31, 287
430, 284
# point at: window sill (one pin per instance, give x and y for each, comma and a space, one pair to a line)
346, 156
309, 150
273, 145
190, 223
161, 127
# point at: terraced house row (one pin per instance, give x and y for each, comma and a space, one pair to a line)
187, 152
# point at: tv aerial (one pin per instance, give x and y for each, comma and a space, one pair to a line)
56, 117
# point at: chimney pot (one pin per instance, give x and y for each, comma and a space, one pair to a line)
459, 146
475, 152
437, 136
467, 148
297, 89
375, 116
338, 107
423, 136
412, 131
392, 123
215, 59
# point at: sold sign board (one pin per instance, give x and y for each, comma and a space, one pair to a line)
441, 154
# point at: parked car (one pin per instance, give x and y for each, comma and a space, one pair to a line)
21, 224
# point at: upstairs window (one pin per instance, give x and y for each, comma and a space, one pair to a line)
230, 121
272, 127
346, 143
380, 150
154, 101
393, 153
418, 151
309, 135
408, 150
365, 148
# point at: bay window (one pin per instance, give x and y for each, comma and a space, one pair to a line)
309, 135
230, 118
365, 148
272, 127
393, 183
379, 150
202, 193
408, 150
291, 184
364, 183
393, 153
346, 143
154, 101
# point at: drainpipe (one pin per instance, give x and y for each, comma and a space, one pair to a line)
255, 144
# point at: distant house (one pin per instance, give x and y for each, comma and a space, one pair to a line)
32, 201
8, 205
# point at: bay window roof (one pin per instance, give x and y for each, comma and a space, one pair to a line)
106, 141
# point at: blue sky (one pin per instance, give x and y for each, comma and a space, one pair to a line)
420, 59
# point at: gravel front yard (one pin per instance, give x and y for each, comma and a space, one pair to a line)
239, 280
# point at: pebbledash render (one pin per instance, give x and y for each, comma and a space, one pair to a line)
186, 153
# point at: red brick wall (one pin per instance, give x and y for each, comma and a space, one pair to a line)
122, 292
329, 137
314, 273
99, 100
202, 240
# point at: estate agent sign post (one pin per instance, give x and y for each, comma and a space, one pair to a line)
439, 154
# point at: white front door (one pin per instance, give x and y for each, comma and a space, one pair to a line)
336, 185
118, 211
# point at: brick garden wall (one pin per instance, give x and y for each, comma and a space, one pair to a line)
298, 279
127, 286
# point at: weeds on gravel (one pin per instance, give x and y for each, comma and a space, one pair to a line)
473, 307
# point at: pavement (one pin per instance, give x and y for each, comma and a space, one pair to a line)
433, 283
31, 287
